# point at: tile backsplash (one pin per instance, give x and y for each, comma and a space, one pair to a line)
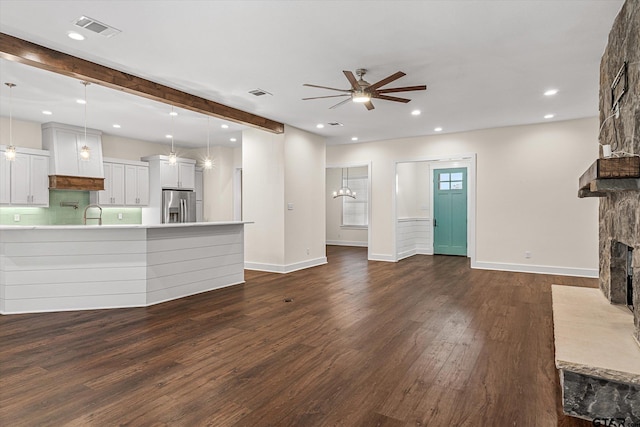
57, 214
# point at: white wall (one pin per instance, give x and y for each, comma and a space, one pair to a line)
336, 234
526, 192
305, 155
263, 197
279, 170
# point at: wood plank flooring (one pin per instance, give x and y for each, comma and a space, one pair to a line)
423, 342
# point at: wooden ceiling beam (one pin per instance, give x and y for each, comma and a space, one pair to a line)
15, 49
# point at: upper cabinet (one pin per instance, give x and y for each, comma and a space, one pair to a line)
126, 183
136, 185
65, 143
24, 181
178, 176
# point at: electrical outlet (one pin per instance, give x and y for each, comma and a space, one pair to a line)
527, 254
308, 251
120, 216
16, 217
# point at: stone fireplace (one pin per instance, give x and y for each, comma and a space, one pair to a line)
620, 210
597, 340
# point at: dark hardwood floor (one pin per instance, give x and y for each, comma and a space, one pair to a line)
423, 342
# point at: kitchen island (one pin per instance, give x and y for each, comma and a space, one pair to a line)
60, 268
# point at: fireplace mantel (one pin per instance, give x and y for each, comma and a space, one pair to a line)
610, 175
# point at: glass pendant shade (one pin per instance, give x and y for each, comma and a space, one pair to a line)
344, 190
10, 151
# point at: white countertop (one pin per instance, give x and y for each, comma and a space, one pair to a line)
118, 226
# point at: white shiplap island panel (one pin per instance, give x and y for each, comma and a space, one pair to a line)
58, 268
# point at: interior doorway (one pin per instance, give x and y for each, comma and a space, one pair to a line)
348, 218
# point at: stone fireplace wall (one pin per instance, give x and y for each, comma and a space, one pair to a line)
620, 212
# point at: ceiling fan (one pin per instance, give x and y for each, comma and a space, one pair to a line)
362, 91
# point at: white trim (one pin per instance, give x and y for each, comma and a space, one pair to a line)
382, 257
412, 252
538, 269
237, 194
283, 269
347, 243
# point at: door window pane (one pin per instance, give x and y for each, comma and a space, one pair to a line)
444, 177
456, 176
456, 185
443, 186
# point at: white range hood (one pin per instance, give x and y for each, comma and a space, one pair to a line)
67, 169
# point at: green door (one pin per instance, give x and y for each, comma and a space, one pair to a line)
450, 211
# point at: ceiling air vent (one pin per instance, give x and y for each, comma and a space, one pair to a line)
259, 92
96, 26
335, 124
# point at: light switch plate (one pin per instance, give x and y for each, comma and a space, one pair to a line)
16, 217
290, 206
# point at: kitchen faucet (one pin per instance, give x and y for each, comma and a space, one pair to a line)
99, 218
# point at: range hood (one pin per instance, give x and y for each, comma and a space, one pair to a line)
67, 169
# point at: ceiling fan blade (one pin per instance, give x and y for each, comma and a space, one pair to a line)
403, 89
387, 80
340, 103
369, 105
325, 87
393, 98
352, 79
330, 96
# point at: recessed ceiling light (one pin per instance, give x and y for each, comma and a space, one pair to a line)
232, 139
355, 138
47, 112
117, 126
438, 129
551, 92
168, 136
173, 113
224, 126
81, 101
549, 116
415, 113
75, 36
319, 125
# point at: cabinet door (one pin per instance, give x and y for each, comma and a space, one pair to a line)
117, 183
130, 185
20, 180
187, 175
199, 184
5, 180
143, 185
39, 177
104, 196
168, 175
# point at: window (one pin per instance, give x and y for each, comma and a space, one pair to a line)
450, 181
355, 212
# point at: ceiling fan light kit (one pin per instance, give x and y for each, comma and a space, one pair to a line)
362, 91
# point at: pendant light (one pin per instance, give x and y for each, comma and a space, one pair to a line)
208, 163
344, 190
85, 153
172, 155
10, 152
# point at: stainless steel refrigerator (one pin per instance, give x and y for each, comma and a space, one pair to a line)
178, 206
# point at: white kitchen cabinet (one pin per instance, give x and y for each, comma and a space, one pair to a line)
5, 180
137, 185
65, 142
114, 189
199, 189
29, 180
178, 176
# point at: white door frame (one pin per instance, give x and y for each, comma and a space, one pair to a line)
466, 160
366, 164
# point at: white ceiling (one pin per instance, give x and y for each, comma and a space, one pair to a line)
485, 63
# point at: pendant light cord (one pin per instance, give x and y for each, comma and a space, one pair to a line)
172, 128
11, 85
208, 126
85, 112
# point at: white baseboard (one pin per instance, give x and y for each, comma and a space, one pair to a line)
382, 257
347, 243
283, 269
405, 254
424, 251
539, 269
